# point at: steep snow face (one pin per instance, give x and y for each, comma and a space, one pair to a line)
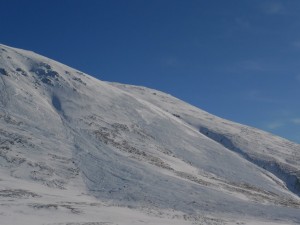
133, 147
274, 154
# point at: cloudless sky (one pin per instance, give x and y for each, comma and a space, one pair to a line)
238, 59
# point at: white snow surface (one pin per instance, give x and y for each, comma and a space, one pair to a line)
75, 150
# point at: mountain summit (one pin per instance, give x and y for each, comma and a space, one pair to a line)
77, 150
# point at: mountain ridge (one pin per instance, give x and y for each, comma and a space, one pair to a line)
136, 147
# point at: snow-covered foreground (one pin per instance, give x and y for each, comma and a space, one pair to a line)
76, 150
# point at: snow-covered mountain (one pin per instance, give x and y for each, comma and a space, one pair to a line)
77, 150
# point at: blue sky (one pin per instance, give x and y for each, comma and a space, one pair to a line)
237, 59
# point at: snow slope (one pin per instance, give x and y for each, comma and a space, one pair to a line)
77, 150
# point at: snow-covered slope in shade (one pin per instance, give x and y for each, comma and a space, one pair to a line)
77, 150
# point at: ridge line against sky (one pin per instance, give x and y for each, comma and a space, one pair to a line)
236, 59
